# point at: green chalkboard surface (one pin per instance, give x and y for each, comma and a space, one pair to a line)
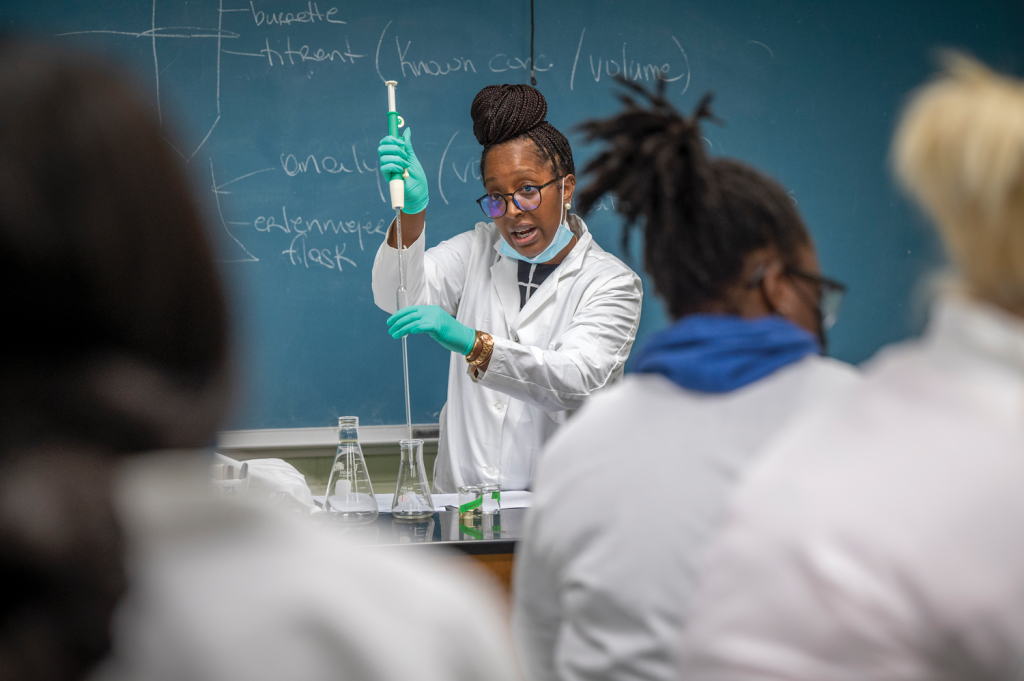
277, 107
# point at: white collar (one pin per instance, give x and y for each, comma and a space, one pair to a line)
978, 328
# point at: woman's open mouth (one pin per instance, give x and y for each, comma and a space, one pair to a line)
525, 235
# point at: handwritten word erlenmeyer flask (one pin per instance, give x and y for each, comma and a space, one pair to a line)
412, 495
349, 493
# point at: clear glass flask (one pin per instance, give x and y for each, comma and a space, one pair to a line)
412, 495
349, 492
414, 532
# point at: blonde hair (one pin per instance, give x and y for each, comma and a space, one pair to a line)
959, 151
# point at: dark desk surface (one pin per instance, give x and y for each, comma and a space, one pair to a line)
488, 534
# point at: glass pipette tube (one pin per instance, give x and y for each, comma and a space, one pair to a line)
402, 303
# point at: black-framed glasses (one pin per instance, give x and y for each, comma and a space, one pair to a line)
526, 198
830, 295
830, 292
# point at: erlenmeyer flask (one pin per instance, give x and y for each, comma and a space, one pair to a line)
414, 532
349, 492
412, 495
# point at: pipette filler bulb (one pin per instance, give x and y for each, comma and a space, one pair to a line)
396, 183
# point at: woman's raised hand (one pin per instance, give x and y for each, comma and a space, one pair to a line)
396, 155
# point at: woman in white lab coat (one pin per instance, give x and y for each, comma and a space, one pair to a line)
884, 538
629, 493
538, 317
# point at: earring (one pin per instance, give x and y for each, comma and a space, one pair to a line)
568, 206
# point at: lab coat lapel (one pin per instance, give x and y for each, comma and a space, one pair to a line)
504, 278
541, 295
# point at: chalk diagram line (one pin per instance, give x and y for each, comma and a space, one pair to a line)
758, 42
217, 191
154, 33
255, 172
687, 59
441, 167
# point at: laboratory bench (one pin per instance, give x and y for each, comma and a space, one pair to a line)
488, 539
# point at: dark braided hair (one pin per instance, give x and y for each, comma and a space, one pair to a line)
502, 113
702, 216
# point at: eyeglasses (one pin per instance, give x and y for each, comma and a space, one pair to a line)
830, 295
830, 292
526, 198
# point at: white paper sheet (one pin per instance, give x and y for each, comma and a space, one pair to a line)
518, 499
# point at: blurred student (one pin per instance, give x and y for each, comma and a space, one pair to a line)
629, 493
115, 343
884, 538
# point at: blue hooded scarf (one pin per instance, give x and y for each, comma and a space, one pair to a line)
717, 353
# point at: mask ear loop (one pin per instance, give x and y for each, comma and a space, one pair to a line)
563, 212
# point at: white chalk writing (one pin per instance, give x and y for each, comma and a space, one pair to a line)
645, 70
302, 227
312, 15
432, 67
299, 253
304, 54
292, 166
501, 62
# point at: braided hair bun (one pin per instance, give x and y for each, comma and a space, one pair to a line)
502, 113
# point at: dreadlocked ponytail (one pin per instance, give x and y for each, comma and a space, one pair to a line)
700, 216
502, 113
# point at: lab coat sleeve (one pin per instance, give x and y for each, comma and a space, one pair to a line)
432, 277
590, 352
804, 606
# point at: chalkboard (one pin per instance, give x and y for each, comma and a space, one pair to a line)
278, 105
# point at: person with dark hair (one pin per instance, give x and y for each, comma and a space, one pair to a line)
628, 494
543, 317
117, 560
116, 342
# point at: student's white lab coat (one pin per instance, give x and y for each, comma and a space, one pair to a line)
229, 592
570, 340
626, 498
884, 539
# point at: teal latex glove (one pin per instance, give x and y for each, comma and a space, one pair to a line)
396, 155
436, 323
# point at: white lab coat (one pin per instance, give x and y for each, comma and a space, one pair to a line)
626, 497
570, 340
223, 592
884, 538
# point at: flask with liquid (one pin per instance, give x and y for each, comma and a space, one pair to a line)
349, 492
412, 495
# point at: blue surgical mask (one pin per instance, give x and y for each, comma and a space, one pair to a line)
563, 235
562, 238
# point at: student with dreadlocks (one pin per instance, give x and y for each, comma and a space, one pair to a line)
630, 492
537, 316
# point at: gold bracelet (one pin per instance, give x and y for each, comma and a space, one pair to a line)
477, 347
485, 353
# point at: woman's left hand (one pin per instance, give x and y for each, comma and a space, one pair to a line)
436, 323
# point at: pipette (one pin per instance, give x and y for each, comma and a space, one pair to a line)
396, 183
